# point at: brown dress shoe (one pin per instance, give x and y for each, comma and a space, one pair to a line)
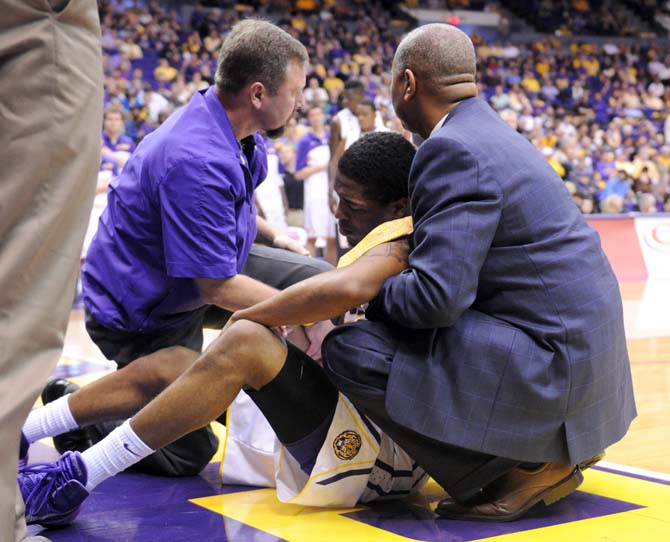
513, 494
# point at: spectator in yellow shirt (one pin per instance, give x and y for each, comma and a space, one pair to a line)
164, 73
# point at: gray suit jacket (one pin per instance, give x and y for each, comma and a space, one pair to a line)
518, 346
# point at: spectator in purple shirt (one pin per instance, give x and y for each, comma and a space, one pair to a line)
116, 146
176, 235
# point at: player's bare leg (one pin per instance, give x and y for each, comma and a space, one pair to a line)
246, 354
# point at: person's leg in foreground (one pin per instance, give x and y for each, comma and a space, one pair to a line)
51, 96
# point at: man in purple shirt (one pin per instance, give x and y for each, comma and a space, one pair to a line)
176, 235
116, 145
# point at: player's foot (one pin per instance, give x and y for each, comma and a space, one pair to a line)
76, 440
53, 492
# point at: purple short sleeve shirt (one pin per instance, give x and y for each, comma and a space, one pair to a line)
309, 142
181, 209
123, 143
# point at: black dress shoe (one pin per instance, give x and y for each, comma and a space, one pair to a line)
515, 493
76, 440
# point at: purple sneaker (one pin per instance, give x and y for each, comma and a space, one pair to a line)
23, 452
53, 492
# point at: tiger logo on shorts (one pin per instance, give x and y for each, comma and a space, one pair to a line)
347, 445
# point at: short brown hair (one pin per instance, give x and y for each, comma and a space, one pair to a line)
256, 50
114, 109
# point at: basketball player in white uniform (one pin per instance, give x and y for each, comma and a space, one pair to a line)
346, 459
270, 194
311, 165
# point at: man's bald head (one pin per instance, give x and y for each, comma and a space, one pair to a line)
440, 55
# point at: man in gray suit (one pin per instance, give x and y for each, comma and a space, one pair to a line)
498, 359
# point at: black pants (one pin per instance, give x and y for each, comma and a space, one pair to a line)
191, 453
299, 403
357, 358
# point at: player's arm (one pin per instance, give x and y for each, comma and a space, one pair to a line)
335, 141
284, 199
308, 171
111, 155
259, 210
331, 294
302, 169
265, 233
335, 136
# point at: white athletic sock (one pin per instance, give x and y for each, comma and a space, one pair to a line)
113, 454
50, 420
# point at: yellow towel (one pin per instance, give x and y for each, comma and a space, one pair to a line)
385, 232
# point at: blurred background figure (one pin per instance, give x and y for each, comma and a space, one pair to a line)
312, 159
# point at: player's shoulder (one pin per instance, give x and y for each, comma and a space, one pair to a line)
396, 248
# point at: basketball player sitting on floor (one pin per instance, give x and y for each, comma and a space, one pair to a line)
291, 429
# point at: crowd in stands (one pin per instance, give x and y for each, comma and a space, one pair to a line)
597, 111
579, 17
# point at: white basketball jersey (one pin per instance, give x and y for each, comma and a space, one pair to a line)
349, 127
356, 463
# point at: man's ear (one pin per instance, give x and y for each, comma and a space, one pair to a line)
400, 208
257, 92
410, 85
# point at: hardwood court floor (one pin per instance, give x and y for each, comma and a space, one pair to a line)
647, 317
624, 499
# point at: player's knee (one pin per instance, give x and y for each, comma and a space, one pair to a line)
171, 364
238, 348
155, 372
